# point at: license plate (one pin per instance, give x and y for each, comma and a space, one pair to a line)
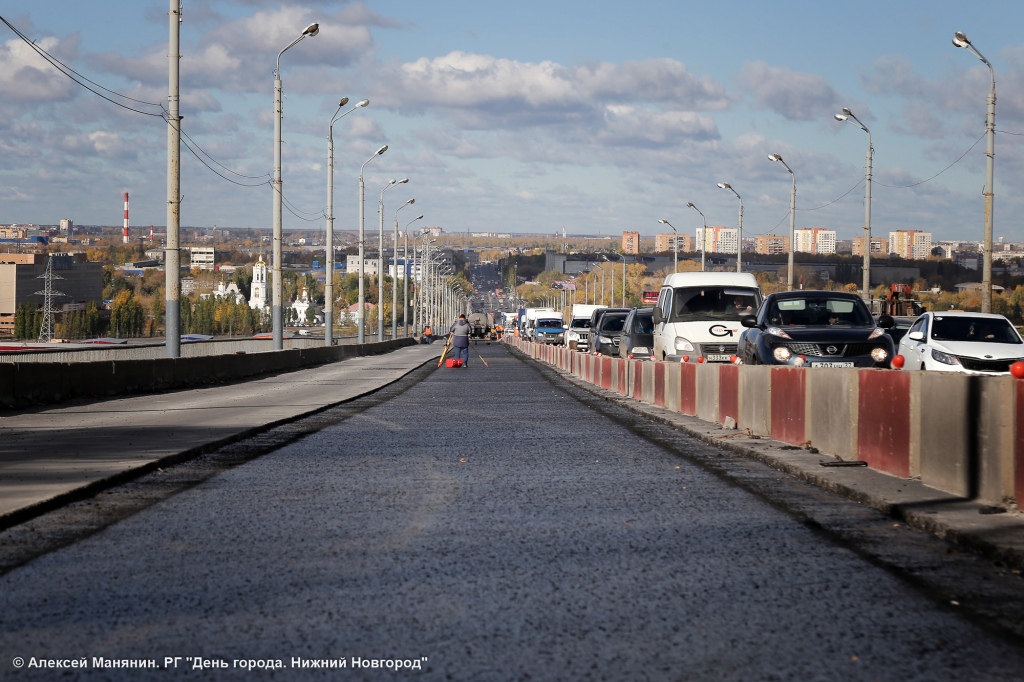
717, 358
831, 364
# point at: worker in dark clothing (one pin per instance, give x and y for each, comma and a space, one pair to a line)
460, 339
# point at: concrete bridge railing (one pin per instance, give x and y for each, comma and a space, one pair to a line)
31, 383
960, 434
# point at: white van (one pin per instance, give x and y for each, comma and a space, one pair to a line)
698, 314
577, 332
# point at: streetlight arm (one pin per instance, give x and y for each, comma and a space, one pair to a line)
310, 31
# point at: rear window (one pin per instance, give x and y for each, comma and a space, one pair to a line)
690, 304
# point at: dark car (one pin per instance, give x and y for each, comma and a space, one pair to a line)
637, 340
900, 326
815, 329
595, 317
606, 335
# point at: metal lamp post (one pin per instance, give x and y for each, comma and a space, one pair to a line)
961, 40
408, 273
380, 261
739, 228
277, 312
847, 115
792, 217
361, 313
703, 234
675, 244
394, 280
329, 281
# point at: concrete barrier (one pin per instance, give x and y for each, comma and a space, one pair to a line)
33, 383
960, 434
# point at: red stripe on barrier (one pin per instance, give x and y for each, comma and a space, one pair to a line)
1018, 459
883, 425
788, 396
729, 393
622, 374
638, 378
688, 388
659, 384
606, 373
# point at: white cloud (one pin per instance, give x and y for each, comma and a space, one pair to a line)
795, 96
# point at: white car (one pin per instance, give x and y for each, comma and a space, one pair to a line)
972, 343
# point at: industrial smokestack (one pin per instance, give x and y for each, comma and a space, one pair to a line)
125, 238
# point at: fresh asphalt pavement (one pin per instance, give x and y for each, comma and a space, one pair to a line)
495, 523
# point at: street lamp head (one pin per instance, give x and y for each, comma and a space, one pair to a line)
847, 111
838, 117
343, 102
690, 204
402, 182
960, 40
725, 185
381, 150
363, 103
663, 221
775, 157
311, 30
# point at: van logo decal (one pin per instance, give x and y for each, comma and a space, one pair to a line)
720, 330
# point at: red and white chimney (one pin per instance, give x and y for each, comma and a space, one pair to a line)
125, 217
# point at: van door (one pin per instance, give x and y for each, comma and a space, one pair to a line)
665, 306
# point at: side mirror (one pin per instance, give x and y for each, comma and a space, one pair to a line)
886, 321
916, 336
658, 317
748, 321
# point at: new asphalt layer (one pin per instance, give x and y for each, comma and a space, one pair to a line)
56, 455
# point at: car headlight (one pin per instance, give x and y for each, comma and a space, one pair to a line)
775, 331
875, 334
684, 344
604, 339
782, 354
945, 358
879, 354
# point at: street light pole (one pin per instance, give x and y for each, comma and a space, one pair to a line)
703, 234
739, 228
329, 280
277, 312
380, 262
847, 115
961, 40
407, 273
792, 218
361, 313
675, 243
394, 280
172, 255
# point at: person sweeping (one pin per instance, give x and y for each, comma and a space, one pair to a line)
460, 330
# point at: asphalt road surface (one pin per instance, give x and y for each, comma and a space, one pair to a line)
486, 524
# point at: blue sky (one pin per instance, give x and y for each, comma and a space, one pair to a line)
530, 116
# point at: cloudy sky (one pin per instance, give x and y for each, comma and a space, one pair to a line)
526, 116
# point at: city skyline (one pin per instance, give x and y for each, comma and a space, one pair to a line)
599, 119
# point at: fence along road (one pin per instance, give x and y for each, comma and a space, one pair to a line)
492, 525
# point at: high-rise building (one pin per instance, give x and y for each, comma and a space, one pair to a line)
910, 244
631, 242
720, 239
771, 244
879, 246
815, 240
666, 242
67, 226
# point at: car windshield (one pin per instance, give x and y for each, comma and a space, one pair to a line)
549, 323
819, 311
987, 329
690, 304
581, 323
612, 323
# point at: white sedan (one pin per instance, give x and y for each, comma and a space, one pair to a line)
972, 343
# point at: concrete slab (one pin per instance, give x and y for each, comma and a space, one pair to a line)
50, 452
